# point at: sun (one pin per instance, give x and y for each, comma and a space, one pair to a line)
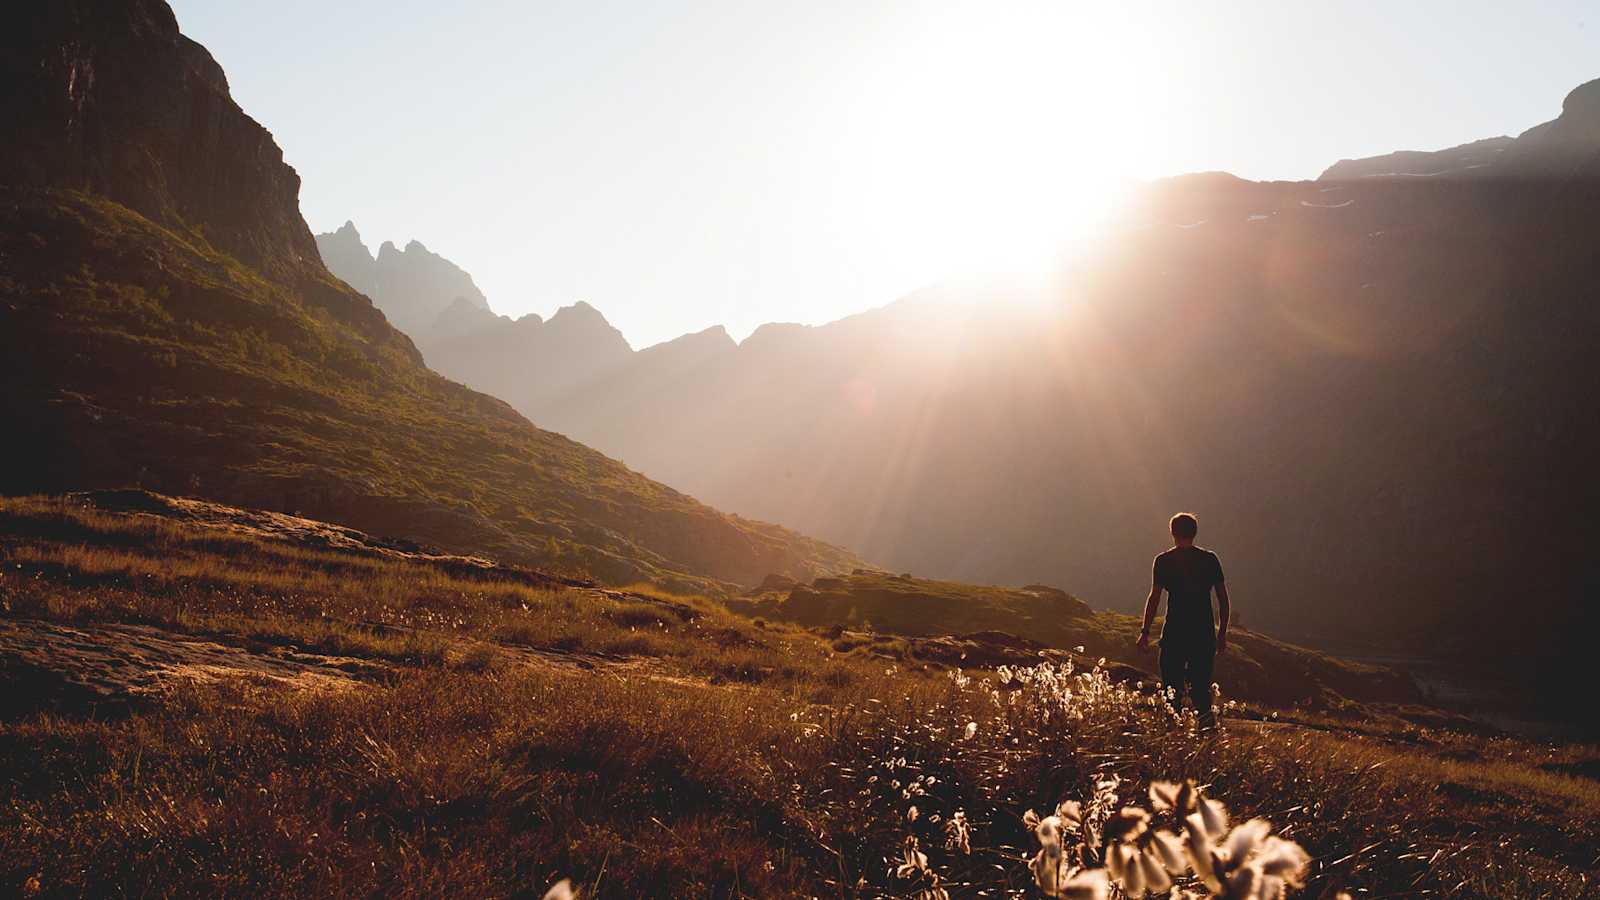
996, 144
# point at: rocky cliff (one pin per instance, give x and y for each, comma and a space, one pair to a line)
108, 97
166, 320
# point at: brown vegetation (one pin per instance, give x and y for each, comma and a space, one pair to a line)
726, 758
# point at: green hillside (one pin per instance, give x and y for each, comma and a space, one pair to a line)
140, 354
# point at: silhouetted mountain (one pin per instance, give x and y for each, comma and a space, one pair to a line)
1569, 145
1564, 147
414, 287
166, 319
347, 256
463, 317
415, 284
1451, 161
1376, 392
530, 362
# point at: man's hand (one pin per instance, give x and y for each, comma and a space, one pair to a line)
1144, 641
1222, 642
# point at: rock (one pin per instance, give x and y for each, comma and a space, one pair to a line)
109, 98
775, 583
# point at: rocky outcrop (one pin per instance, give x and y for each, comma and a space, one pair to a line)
1566, 146
347, 256
106, 96
1453, 161
906, 605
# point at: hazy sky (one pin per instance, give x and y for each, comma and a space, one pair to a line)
725, 162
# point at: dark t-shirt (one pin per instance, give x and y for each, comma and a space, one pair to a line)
1188, 574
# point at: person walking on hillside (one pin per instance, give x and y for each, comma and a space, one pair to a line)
1190, 637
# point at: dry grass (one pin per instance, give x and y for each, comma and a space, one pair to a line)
743, 760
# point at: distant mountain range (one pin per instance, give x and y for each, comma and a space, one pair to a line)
166, 320
412, 286
1376, 388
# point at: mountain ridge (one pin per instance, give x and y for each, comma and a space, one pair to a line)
168, 322
1394, 365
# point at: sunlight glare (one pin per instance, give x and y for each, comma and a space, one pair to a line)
999, 135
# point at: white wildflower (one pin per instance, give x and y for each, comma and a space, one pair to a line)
1166, 848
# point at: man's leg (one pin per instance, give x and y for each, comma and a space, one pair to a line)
1172, 674
1202, 663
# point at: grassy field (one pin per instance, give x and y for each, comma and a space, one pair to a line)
519, 730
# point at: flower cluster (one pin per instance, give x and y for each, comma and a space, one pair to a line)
1243, 862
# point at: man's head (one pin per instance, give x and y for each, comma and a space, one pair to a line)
1184, 527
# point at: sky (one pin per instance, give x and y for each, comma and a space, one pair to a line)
734, 162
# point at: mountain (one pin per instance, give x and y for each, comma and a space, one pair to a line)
413, 287
1375, 391
1421, 163
463, 317
166, 320
1566, 146
347, 256
530, 361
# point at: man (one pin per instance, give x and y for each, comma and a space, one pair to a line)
1190, 639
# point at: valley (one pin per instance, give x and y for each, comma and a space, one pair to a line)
319, 577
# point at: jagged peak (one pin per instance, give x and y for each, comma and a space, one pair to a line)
579, 311
714, 338
346, 235
774, 331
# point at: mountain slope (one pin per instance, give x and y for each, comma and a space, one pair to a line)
1564, 147
165, 319
1376, 393
530, 361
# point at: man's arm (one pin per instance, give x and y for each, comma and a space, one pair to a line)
1222, 617
1149, 615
